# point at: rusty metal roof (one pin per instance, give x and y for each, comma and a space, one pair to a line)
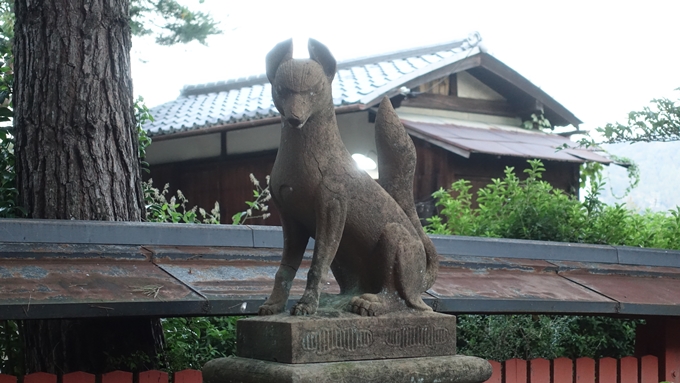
57, 269
467, 137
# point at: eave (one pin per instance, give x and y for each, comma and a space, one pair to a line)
242, 125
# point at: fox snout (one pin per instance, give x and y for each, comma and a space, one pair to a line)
296, 122
295, 110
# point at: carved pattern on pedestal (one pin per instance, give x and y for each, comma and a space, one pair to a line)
416, 336
328, 340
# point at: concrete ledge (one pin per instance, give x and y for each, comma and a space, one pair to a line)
246, 236
451, 245
123, 233
271, 237
648, 257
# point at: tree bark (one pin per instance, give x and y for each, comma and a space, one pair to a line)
76, 158
76, 142
60, 346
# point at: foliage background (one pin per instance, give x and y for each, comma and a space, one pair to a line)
503, 337
191, 342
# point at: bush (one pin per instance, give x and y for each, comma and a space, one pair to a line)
533, 209
508, 208
8, 190
503, 337
191, 342
174, 210
11, 348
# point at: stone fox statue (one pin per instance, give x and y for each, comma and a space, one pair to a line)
367, 233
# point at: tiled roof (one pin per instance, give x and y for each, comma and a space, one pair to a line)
359, 81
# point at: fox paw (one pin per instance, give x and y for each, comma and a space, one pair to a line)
271, 308
304, 308
366, 305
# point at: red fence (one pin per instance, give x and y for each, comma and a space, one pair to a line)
185, 376
561, 370
582, 370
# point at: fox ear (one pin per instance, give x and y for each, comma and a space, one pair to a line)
320, 53
283, 51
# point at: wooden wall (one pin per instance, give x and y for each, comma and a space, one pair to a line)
227, 179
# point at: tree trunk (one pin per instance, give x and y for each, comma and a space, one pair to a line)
76, 140
93, 345
76, 157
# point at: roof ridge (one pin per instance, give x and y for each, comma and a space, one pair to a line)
261, 79
223, 86
402, 54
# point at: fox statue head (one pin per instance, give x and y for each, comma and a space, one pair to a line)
301, 88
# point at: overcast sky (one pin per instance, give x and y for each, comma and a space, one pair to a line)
600, 59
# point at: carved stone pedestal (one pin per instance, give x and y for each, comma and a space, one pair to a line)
334, 336
341, 347
441, 369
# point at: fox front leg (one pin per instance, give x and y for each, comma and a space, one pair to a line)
330, 223
294, 244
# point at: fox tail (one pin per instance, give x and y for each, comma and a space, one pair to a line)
397, 166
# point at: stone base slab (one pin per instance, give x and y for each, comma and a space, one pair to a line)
339, 336
441, 369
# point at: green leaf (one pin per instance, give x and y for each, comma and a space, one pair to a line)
236, 218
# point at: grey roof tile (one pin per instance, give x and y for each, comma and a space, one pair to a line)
244, 99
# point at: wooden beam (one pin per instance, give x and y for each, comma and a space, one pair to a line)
223, 144
453, 85
532, 106
459, 104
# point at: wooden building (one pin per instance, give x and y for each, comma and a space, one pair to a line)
463, 108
